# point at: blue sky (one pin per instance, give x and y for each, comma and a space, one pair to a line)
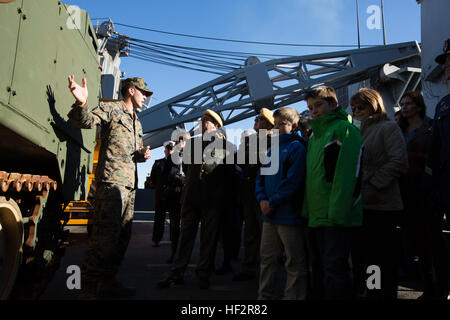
287, 21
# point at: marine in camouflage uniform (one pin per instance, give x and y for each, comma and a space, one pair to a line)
116, 181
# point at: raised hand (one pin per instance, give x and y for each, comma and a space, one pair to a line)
80, 93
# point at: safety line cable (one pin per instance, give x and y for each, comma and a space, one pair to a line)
244, 41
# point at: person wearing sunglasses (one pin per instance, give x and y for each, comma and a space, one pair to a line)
384, 160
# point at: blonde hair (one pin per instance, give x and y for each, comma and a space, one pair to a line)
369, 98
323, 92
287, 114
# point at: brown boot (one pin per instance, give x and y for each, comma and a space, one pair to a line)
89, 291
111, 288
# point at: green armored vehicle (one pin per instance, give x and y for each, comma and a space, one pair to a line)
45, 162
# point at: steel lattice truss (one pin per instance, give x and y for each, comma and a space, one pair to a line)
273, 84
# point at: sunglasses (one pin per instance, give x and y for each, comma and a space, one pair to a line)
258, 117
359, 108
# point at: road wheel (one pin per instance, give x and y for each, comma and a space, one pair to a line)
11, 240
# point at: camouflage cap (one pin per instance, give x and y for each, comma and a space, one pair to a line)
138, 83
441, 58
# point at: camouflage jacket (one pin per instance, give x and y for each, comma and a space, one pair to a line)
121, 138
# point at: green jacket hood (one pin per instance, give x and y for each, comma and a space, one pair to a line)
320, 123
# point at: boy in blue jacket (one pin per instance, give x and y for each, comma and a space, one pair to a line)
279, 196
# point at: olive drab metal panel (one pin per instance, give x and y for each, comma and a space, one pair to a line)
9, 30
42, 43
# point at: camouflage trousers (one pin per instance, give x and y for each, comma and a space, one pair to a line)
111, 232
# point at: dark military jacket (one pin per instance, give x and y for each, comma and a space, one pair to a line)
158, 174
208, 173
167, 181
438, 164
249, 170
121, 138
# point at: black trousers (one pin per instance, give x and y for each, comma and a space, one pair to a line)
328, 253
159, 221
175, 219
192, 214
229, 232
433, 256
173, 206
252, 236
377, 243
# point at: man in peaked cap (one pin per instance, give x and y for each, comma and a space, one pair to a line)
206, 190
211, 115
266, 115
438, 180
115, 180
443, 56
137, 83
264, 123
